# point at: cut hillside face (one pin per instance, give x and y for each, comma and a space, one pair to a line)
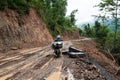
22, 31
70, 35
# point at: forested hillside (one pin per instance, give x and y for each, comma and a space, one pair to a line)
25, 21
52, 12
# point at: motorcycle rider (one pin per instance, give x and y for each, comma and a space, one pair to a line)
58, 38
57, 45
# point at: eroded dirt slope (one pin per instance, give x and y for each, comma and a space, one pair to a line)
20, 31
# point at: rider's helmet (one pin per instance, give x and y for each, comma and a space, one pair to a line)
58, 36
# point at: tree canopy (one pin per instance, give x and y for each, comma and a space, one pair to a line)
111, 10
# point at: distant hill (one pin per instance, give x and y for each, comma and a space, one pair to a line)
109, 23
79, 25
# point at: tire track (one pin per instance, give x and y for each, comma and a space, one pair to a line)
16, 68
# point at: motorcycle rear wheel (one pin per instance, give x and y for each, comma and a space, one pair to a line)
57, 53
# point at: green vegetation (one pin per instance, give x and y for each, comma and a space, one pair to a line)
52, 11
22, 6
105, 38
110, 9
109, 40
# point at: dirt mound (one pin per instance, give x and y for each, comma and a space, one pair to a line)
20, 31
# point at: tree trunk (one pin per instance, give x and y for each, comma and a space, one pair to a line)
116, 25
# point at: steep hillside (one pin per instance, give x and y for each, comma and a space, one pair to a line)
20, 31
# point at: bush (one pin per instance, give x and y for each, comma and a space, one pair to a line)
22, 6
3, 4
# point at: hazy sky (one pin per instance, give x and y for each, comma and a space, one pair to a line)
85, 9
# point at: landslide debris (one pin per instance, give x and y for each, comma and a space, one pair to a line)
89, 46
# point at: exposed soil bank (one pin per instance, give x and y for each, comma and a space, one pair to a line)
21, 31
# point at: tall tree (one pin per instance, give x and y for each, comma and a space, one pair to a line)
97, 28
52, 11
111, 8
72, 17
101, 32
88, 30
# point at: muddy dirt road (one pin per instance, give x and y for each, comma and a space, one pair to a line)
30, 64
40, 64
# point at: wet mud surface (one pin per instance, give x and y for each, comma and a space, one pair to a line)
40, 64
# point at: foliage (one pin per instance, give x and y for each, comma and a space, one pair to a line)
98, 31
109, 41
87, 30
110, 8
22, 6
104, 36
3, 4
72, 18
101, 35
53, 12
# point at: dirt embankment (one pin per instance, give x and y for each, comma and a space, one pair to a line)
20, 31
71, 35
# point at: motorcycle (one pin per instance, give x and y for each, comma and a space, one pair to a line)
57, 48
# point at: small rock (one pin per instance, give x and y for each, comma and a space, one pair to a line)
66, 78
0, 49
118, 72
82, 79
14, 48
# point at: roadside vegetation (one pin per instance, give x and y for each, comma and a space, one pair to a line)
108, 39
